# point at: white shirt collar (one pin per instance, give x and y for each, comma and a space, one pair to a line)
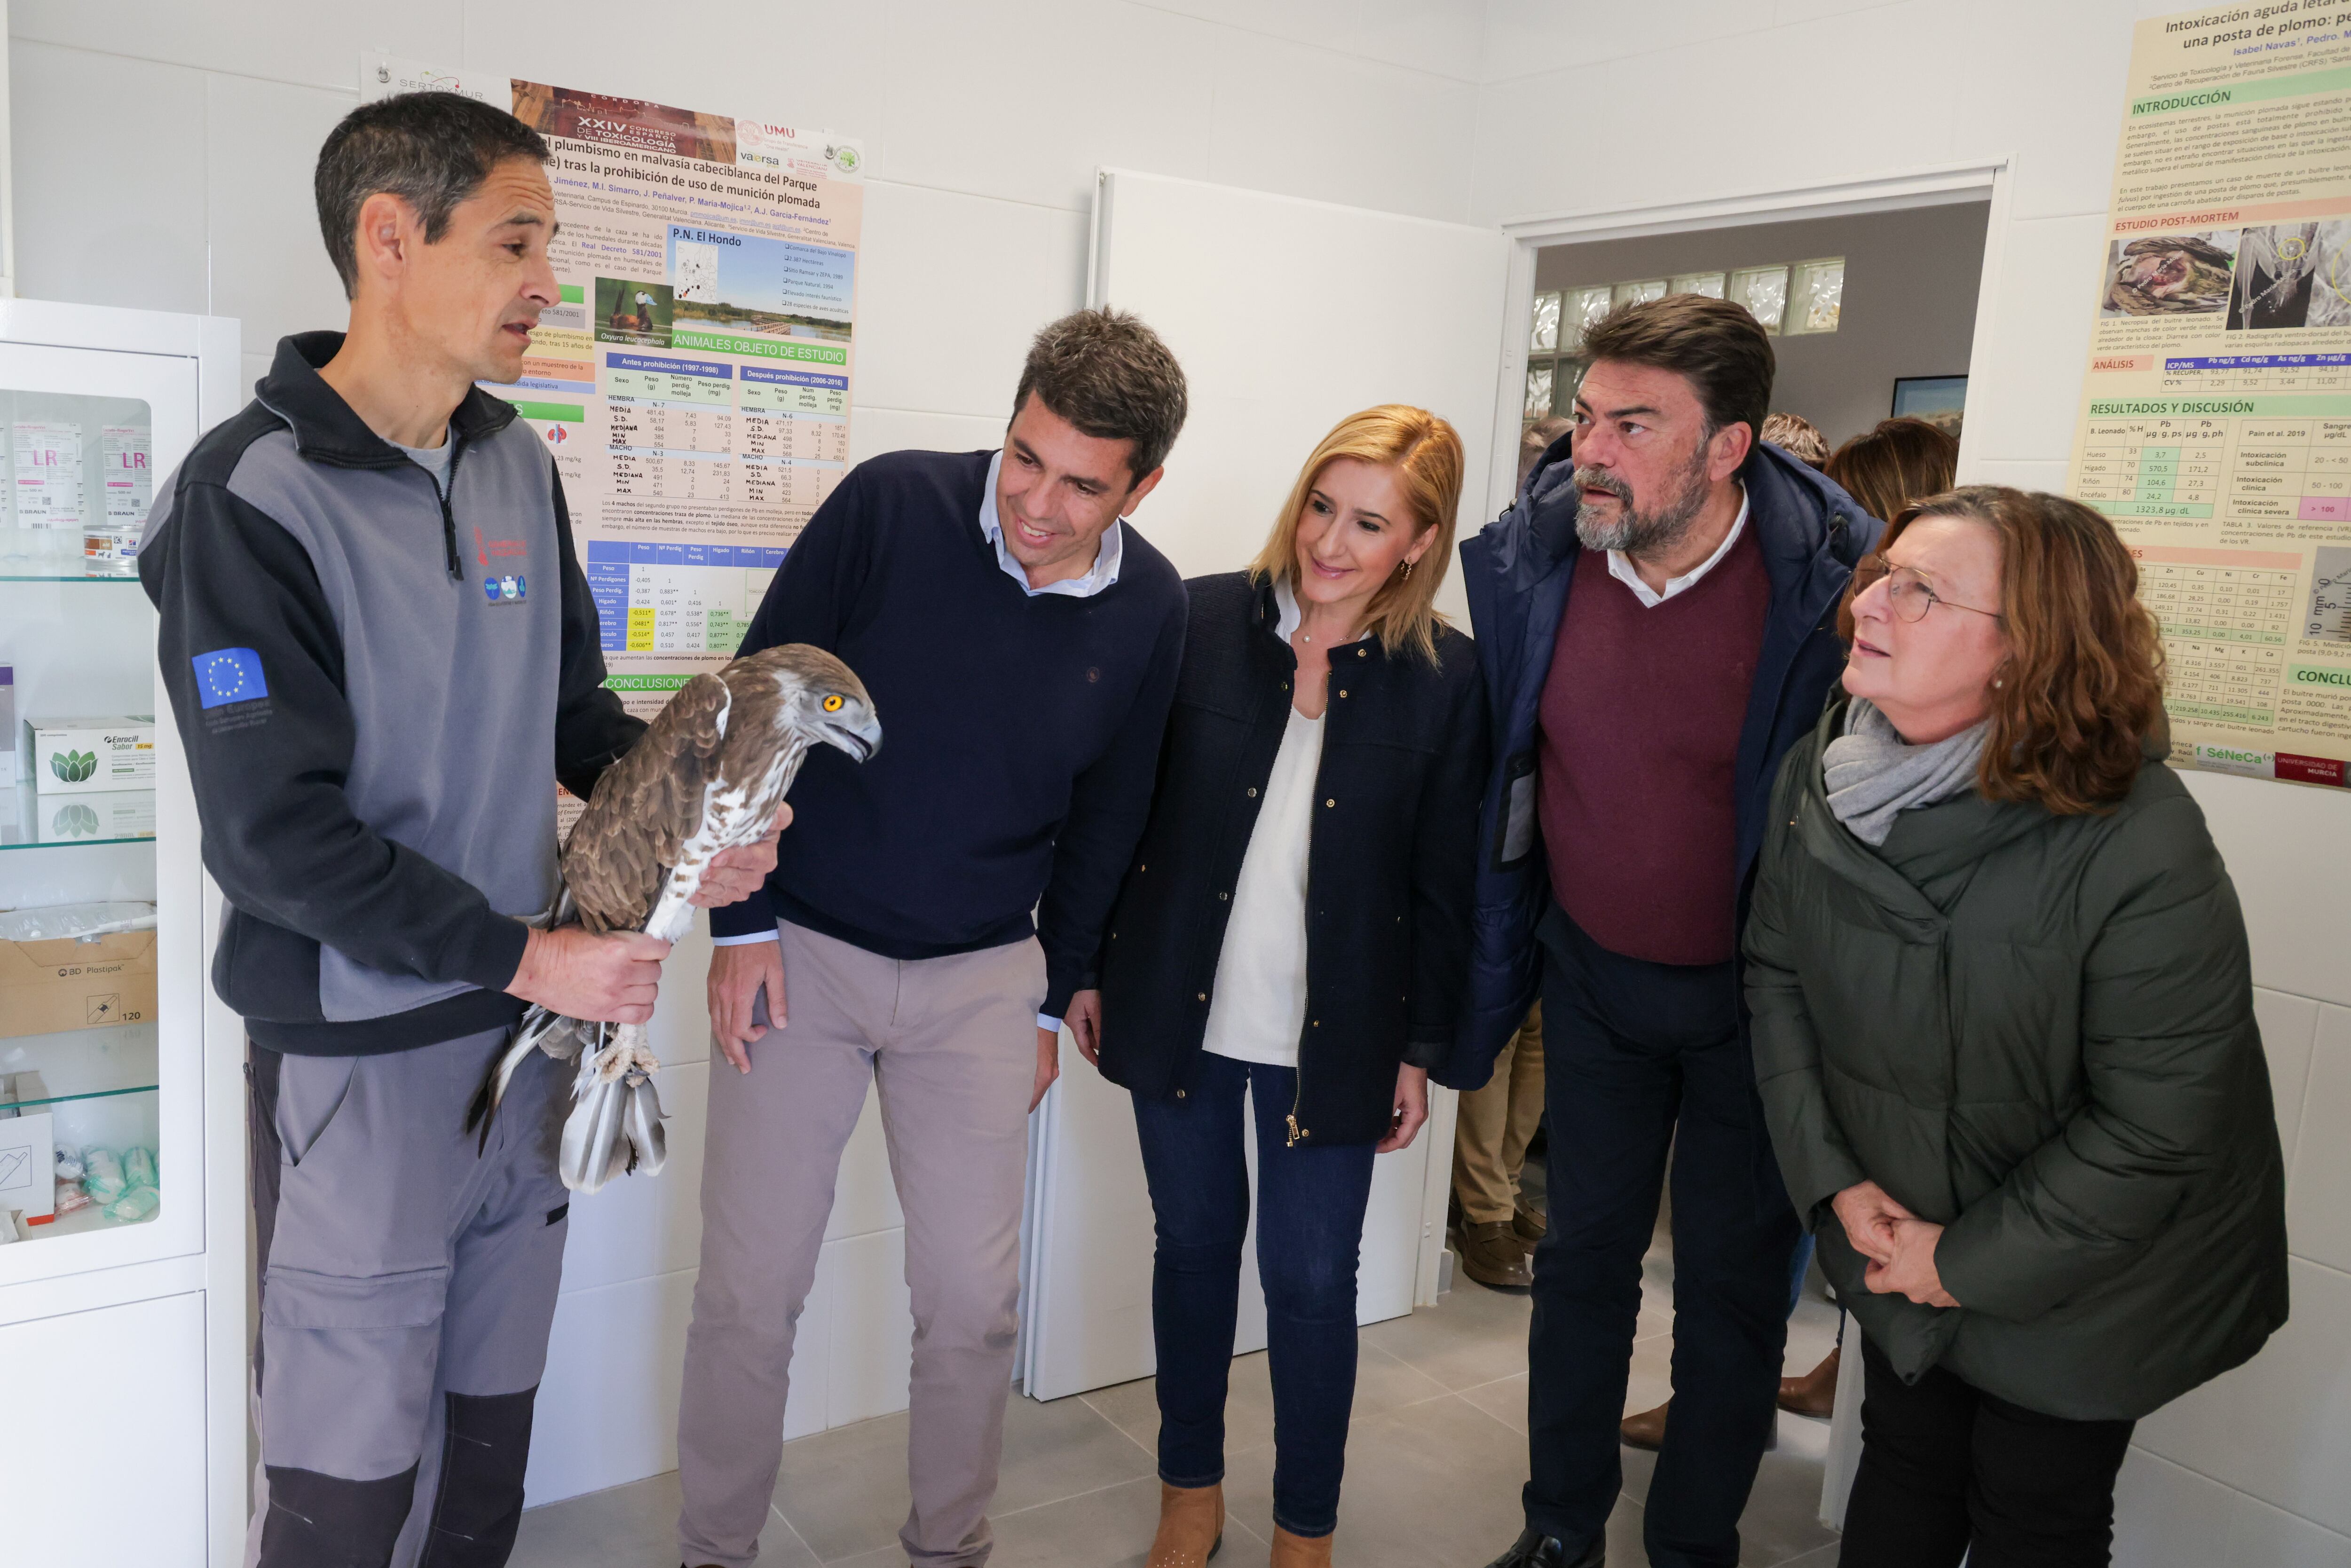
1621, 568
1101, 575
1287, 615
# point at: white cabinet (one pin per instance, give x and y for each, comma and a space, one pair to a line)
102, 1456
123, 1295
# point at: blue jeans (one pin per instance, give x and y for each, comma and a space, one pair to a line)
1309, 1227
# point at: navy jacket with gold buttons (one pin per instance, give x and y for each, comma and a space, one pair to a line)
1389, 864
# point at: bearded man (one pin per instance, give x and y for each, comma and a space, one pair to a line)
1654, 618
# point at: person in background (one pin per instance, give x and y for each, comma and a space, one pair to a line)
1023, 640
2004, 1033
1494, 1230
1799, 437
1294, 928
1897, 462
1883, 470
384, 837
1653, 624
1540, 437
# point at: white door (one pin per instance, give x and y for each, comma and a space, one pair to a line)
1287, 315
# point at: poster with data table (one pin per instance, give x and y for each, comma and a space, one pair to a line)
2215, 427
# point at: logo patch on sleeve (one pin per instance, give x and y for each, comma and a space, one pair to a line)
228, 676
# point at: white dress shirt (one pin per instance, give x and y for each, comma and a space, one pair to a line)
1621, 568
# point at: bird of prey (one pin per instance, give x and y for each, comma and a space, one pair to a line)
708, 776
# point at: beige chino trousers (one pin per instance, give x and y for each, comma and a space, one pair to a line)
1493, 1126
952, 1042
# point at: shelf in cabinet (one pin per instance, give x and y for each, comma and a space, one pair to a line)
80, 1222
7, 1105
61, 576
32, 821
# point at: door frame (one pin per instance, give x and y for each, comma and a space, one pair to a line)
1935, 184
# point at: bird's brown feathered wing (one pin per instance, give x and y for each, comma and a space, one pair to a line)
645, 806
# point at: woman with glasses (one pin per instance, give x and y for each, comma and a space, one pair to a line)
2004, 1031
1295, 930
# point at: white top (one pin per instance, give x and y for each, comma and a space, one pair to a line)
1260, 1006
1098, 576
1621, 568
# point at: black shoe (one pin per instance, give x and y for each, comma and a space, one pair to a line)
1536, 1550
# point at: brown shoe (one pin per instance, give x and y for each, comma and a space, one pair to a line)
1532, 1224
1191, 1526
1492, 1254
1299, 1550
1814, 1394
1646, 1430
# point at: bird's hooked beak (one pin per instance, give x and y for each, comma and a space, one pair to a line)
860, 739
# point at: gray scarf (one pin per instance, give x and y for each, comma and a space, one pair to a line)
1874, 775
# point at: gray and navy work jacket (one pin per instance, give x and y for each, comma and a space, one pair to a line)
378, 690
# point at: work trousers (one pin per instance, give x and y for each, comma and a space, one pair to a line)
409, 1270
1635, 1053
1948, 1471
1310, 1229
952, 1044
1493, 1126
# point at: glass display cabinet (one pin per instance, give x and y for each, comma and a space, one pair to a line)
122, 1297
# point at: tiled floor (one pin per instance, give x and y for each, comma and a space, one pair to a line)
1434, 1459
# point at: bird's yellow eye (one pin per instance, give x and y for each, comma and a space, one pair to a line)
832, 702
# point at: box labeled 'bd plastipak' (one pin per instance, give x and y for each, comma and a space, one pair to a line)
89, 756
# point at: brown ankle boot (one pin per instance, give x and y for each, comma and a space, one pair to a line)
1814, 1394
1299, 1550
1191, 1526
1645, 1429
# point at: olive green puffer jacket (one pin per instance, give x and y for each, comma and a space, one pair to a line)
2038, 1032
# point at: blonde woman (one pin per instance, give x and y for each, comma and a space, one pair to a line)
1295, 928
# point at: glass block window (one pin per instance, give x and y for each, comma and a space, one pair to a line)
1764, 291
1816, 296
1710, 284
1545, 336
1636, 293
1540, 384
1581, 309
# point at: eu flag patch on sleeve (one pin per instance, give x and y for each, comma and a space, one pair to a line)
229, 676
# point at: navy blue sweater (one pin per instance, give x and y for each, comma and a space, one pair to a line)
1021, 736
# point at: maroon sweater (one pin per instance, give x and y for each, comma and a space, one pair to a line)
1641, 715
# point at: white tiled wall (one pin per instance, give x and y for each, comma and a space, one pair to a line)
162, 153
2256, 1469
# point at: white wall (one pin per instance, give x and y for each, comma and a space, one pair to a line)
163, 156
1591, 106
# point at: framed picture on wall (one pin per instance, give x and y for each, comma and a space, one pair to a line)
1939, 400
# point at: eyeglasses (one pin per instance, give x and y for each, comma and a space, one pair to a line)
1907, 592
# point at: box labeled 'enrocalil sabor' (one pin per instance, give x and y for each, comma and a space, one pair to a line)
86, 756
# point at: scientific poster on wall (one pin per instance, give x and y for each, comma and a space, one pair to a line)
2216, 415
693, 383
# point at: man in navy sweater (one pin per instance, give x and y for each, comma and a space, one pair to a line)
1020, 643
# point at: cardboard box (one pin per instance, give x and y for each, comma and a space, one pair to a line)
90, 755
47, 988
29, 1168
